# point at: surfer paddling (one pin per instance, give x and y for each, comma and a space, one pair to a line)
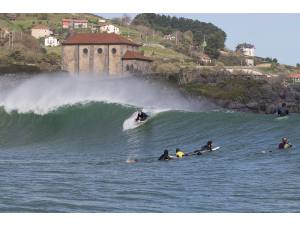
179, 153
165, 156
284, 144
207, 147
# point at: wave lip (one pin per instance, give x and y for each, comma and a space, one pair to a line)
45, 93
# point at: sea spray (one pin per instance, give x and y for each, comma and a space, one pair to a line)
45, 93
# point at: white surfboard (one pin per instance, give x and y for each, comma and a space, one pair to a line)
282, 118
130, 123
214, 149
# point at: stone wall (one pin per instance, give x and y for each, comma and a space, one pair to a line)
140, 66
70, 58
100, 65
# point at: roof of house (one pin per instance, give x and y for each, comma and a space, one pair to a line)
245, 45
40, 26
294, 76
75, 20
106, 25
204, 56
133, 55
97, 38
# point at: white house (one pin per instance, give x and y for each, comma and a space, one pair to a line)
246, 49
109, 28
293, 78
204, 59
39, 31
74, 23
249, 62
101, 20
51, 41
170, 37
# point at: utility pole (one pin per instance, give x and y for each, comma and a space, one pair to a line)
12, 39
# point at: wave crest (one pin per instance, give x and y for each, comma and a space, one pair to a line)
45, 93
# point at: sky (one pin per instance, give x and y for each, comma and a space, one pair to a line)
274, 35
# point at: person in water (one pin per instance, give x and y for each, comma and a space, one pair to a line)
284, 144
141, 116
283, 111
207, 147
179, 153
165, 156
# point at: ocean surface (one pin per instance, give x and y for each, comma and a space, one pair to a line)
68, 144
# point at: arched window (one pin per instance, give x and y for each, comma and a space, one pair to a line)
114, 51
85, 50
99, 50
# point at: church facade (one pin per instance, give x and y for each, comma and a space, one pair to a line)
102, 54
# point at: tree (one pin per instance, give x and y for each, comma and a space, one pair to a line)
116, 21
126, 19
298, 65
215, 37
188, 37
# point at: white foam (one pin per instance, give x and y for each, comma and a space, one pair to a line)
44, 93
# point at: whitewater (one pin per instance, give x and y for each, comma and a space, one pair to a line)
67, 145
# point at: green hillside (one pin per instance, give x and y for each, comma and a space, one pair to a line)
149, 30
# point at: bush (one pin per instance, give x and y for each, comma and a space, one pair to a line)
166, 68
17, 55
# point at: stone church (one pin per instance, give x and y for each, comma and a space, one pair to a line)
103, 54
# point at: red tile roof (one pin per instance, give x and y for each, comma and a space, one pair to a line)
294, 76
97, 38
133, 55
40, 26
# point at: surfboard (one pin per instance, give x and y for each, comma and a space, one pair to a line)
214, 149
130, 123
282, 118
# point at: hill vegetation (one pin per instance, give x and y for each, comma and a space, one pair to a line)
214, 36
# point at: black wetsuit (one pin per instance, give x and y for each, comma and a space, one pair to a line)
203, 148
164, 157
141, 116
282, 112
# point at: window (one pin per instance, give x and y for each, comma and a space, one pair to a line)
85, 50
127, 68
114, 51
99, 50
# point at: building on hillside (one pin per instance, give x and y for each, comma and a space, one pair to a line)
101, 21
74, 23
204, 59
103, 54
246, 49
249, 62
110, 29
51, 41
95, 28
293, 78
170, 37
40, 30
